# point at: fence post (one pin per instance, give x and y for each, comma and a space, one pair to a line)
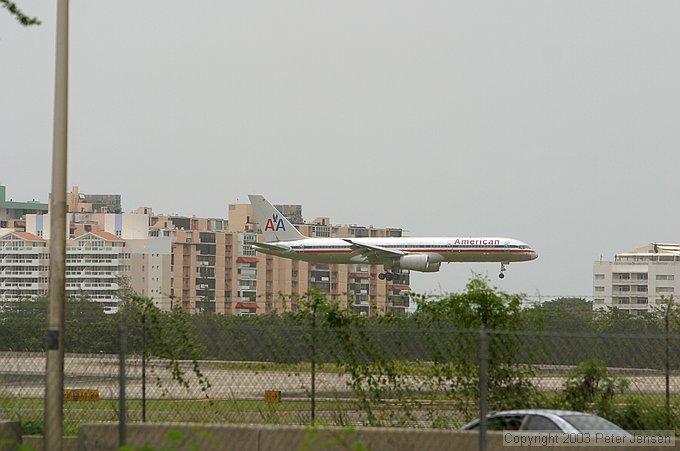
144, 363
122, 328
313, 403
668, 364
483, 385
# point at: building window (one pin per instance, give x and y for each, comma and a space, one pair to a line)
665, 277
665, 289
599, 289
599, 276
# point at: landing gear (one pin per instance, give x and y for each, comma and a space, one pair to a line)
501, 275
386, 276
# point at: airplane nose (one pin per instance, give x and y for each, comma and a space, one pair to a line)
534, 255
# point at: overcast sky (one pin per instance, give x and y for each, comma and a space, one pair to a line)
556, 123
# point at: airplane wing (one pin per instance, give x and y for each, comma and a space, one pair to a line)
270, 246
374, 254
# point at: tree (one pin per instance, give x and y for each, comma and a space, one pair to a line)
167, 336
20, 16
590, 386
616, 321
22, 325
480, 305
451, 327
561, 315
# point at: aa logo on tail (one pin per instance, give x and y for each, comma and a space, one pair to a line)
274, 224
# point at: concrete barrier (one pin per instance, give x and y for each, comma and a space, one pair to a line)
229, 437
37, 443
10, 435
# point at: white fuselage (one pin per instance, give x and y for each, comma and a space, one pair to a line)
443, 249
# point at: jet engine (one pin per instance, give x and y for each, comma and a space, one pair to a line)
419, 262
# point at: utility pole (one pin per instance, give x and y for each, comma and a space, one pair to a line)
668, 363
54, 374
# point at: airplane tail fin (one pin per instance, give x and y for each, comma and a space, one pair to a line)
273, 224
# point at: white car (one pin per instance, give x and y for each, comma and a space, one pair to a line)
545, 420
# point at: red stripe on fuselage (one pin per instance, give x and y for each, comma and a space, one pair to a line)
439, 251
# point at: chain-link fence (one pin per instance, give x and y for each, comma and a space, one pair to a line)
362, 376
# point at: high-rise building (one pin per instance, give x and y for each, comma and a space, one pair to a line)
78, 202
99, 265
639, 280
200, 264
24, 261
260, 279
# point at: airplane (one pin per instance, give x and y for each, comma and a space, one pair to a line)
416, 254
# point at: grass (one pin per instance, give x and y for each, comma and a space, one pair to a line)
29, 411
439, 412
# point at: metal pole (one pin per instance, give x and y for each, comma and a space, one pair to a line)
483, 385
313, 406
122, 407
668, 364
144, 363
54, 383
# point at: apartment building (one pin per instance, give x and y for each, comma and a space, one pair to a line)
215, 269
202, 264
258, 280
78, 202
24, 261
104, 254
639, 280
94, 264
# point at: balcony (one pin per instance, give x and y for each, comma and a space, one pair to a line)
21, 286
630, 282
92, 250
85, 274
22, 274
23, 250
92, 262
630, 300
92, 286
19, 262
400, 303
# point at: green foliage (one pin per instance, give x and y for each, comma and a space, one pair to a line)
168, 336
16, 12
400, 369
480, 305
591, 387
561, 315
373, 376
616, 321
31, 427
457, 353
644, 415
87, 329
11, 444
345, 439
23, 325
